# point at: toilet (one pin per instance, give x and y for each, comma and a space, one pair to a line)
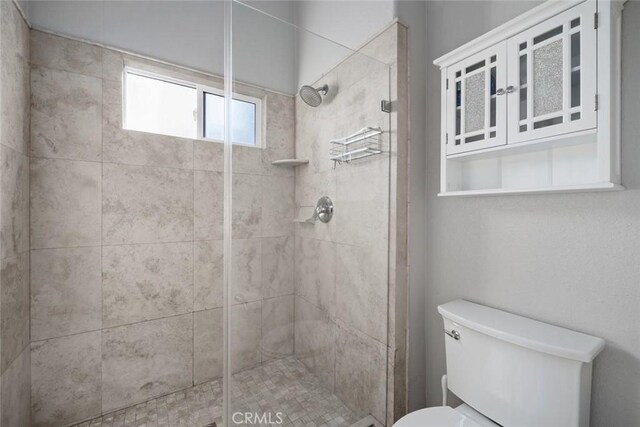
510, 371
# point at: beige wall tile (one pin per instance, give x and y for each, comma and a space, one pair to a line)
66, 115
207, 345
315, 264
277, 266
66, 291
279, 133
65, 203
246, 336
65, 379
351, 252
384, 47
145, 360
112, 65
14, 308
246, 271
277, 206
14, 108
65, 54
14, 78
14, 214
363, 201
142, 282
312, 135
138, 148
208, 205
314, 341
146, 204
15, 406
14, 40
277, 327
247, 159
361, 289
247, 210
309, 188
208, 274
361, 372
208, 155
15, 392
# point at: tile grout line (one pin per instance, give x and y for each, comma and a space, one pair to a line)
105, 328
193, 266
102, 232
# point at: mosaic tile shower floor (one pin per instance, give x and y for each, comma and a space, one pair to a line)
280, 386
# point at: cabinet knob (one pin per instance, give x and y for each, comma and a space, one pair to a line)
500, 92
510, 89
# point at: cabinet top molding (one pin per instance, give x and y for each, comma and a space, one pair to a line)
517, 25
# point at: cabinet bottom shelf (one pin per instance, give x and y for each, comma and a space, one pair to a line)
581, 188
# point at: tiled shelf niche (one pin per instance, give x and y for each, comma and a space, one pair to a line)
533, 106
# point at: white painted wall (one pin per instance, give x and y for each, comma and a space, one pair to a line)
267, 51
264, 47
346, 23
189, 33
566, 259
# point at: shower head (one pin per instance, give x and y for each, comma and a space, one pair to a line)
313, 96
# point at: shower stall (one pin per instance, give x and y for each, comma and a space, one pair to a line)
216, 217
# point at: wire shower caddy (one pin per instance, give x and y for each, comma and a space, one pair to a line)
364, 143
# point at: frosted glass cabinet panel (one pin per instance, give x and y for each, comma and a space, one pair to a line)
476, 105
552, 76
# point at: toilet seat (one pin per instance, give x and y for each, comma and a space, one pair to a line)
444, 416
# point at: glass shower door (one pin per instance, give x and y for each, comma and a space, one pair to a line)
307, 300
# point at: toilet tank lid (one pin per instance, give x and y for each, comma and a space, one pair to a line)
522, 331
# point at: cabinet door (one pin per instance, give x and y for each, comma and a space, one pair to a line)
476, 115
552, 76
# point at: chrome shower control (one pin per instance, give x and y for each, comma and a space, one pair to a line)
453, 334
324, 209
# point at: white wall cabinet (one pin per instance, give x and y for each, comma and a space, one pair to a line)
533, 106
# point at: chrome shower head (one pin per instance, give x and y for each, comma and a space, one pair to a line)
313, 96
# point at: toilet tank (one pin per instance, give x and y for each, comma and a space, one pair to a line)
518, 371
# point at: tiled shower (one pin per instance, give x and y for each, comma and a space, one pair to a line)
113, 256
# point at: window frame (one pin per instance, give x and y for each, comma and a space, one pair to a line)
204, 89
201, 90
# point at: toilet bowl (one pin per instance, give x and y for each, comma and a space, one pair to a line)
445, 416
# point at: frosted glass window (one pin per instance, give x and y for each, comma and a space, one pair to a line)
474, 101
159, 106
243, 120
547, 78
